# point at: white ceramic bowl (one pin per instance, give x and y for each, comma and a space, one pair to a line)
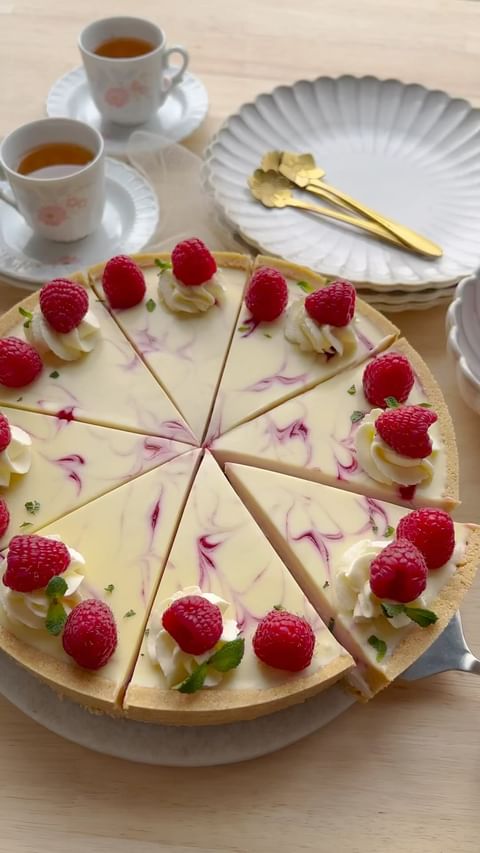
463, 342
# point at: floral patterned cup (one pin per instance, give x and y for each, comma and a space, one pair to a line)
65, 208
129, 91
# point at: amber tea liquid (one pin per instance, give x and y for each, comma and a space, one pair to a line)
124, 48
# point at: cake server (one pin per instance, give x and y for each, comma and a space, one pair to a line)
449, 652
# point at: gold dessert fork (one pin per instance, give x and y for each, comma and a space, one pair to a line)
274, 190
302, 171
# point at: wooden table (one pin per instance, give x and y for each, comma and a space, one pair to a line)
401, 774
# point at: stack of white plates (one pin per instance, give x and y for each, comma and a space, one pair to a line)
463, 341
411, 153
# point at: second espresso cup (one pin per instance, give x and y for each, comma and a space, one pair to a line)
128, 89
56, 171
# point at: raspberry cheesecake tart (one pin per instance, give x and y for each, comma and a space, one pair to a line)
143, 570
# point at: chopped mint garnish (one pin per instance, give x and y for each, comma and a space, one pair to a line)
305, 286
54, 374
425, 405
392, 403
150, 305
163, 265
373, 526
109, 588
56, 587
19, 399
129, 613
421, 617
357, 416
326, 585
331, 624
244, 327
32, 507
147, 631
389, 532
228, 656
379, 645
56, 618
351, 390
194, 681
26, 524
278, 607
27, 314
267, 335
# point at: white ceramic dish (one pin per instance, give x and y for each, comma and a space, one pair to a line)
129, 221
463, 341
181, 114
407, 151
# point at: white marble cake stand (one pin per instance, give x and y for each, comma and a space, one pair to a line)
167, 745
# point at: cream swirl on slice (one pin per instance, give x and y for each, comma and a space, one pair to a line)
68, 346
354, 593
31, 608
384, 464
165, 652
17, 456
310, 336
189, 299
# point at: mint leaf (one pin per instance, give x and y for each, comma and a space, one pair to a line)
150, 305
128, 614
391, 610
32, 507
19, 399
56, 587
163, 265
421, 617
357, 416
228, 656
56, 618
389, 532
331, 625
352, 390
326, 585
26, 524
54, 374
267, 335
425, 405
392, 403
109, 588
28, 315
194, 681
379, 645
305, 286
244, 327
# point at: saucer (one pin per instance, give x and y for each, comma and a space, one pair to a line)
181, 114
129, 221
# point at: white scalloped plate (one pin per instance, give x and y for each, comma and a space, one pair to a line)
407, 151
181, 114
463, 342
129, 221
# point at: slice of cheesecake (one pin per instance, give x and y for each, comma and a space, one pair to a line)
185, 351
327, 538
124, 538
109, 386
315, 436
264, 367
69, 464
220, 550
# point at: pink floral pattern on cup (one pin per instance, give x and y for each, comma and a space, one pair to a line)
52, 214
74, 201
139, 88
117, 96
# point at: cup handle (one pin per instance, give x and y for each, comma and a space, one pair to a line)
176, 78
5, 191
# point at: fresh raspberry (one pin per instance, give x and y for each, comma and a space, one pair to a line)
90, 634
399, 572
284, 641
267, 295
432, 531
333, 305
4, 517
5, 434
405, 430
192, 262
63, 304
33, 560
195, 623
389, 375
20, 363
123, 282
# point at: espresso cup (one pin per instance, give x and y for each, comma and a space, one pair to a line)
60, 208
129, 90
